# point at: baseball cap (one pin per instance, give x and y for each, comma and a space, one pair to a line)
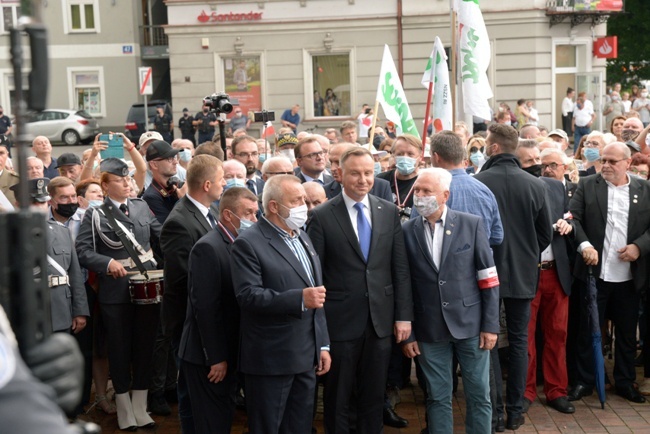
560, 133
68, 159
185, 110
149, 135
159, 150
114, 166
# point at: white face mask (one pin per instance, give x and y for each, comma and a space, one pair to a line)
426, 205
297, 217
288, 153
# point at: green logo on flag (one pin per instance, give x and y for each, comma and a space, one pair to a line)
470, 68
392, 97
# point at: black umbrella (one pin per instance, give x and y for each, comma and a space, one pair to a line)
596, 338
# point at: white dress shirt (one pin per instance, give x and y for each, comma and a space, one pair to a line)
352, 211
614, 269
567, 106
434, 240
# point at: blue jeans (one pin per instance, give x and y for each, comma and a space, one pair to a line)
577, 135
436, 362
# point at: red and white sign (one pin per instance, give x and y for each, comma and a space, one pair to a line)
606, 48
220, 18
146, 86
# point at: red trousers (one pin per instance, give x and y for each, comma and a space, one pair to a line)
552, 305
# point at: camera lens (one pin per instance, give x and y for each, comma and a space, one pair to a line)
225, 106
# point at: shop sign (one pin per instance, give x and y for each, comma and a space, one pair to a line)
214, 17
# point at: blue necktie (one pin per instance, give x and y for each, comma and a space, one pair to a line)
211, 219
363, 228
251, 186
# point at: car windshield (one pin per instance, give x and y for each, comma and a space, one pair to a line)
84, 114
137, 112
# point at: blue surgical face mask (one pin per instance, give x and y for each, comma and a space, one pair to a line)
234, 182
405, 165
95, 203
377, 168
185, 155
591, 154
262, 157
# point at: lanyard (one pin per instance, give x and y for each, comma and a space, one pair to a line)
225, 231
401, 204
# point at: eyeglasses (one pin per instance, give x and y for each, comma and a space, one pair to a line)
639, 172
609, 161
279, 173
552, 166
592, 144
313, 155
248, 155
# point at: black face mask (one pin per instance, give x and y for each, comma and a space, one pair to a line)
535, 170
205, 110
67, 210
628, 135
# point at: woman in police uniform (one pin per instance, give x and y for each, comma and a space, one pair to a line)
130, 328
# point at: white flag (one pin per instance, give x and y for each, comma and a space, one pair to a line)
474, 58
392, 98
437, 72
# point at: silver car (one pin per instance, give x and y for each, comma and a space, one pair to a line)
71, 127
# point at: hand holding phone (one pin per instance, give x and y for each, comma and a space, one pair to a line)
115, 147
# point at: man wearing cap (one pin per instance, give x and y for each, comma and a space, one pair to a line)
42, 148
244, 150
284, 145
69, 165
161, 195
68, 302
185, 124
146, 140
204, 121
163, 124
132, 330
8, 178
311, 161
561, 137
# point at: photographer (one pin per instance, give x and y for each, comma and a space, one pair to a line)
204, 122
165, 188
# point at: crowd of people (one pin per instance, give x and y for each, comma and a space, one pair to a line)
206, 279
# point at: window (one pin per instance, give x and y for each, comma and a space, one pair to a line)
86, 87
10, 14
331, 85
82, 16
10, 93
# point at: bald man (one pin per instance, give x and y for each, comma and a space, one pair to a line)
314, 195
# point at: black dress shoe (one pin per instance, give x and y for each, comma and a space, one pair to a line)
501, 425
171, 395
525, 405
579, 392
631, 394
562, 405
424, 431
515, 422
393, 419
158, 405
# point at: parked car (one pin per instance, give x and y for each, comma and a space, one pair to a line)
72, 127
134, 126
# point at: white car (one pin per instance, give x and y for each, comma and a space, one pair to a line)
72, 127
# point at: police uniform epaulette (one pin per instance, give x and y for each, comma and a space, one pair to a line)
11, 172
136, 199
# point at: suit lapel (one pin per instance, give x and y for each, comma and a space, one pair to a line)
419, 230
311, 253
197, 214
601, 196
340, 212
276, 241
448, 235
635, 197
378, 215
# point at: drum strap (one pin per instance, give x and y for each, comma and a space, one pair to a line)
130, 248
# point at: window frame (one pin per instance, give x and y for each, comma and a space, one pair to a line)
308, 73
72, 88
14, 5
67, 16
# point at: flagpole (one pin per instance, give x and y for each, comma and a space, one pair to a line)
452, 53
427, 112
374, 122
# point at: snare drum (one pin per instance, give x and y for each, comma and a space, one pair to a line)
147, 291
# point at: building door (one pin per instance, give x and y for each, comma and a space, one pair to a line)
592, 83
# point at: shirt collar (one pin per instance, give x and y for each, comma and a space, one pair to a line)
349, 202
116, 203
281, 231
442, 218
204, 210
627, 184
310, 179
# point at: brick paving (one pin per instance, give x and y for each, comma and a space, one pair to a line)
619, 416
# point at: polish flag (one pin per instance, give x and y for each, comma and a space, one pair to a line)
269, 131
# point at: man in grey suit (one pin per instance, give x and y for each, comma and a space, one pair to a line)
284, 341
456, 295
369, 293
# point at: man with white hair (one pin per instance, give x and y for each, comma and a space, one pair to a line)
554, 166
234, 172
450, 254
34, 167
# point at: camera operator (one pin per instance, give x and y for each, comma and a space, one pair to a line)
205, 121
165, 188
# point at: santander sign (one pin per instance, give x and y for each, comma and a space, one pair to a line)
215, 17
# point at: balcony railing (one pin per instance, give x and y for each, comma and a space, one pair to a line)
154, 44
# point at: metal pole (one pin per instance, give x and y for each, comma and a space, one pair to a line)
146, 114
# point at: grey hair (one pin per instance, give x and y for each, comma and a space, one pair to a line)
238, 164
527, 143
441, 175
273, 189
269, 161
555, 151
